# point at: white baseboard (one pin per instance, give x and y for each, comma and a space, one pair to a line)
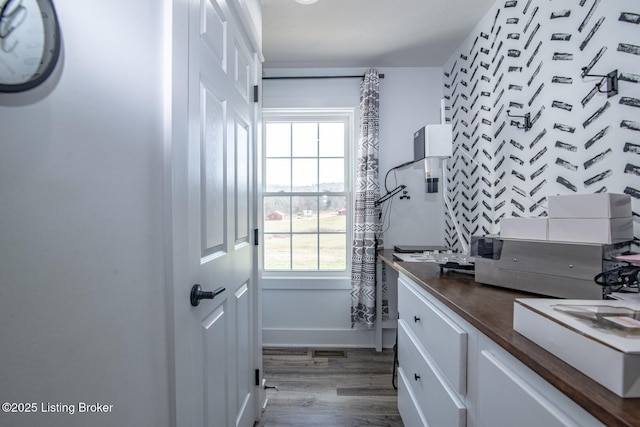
354, 338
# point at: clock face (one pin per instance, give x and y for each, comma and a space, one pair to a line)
29, 43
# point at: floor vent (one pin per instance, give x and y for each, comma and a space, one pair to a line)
329, 353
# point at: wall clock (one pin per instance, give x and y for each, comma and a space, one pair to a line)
29, 43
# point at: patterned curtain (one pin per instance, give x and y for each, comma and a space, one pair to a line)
367, 232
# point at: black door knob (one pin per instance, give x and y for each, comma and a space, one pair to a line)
198, 294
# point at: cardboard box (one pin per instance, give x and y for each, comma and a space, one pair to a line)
598, 205
524, 228
597, 337
591, 230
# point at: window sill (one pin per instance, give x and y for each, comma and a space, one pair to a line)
306, 283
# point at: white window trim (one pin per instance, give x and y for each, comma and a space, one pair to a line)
289, 279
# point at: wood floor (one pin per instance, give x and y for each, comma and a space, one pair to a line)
329, 388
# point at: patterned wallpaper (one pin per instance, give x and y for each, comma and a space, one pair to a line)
527, 56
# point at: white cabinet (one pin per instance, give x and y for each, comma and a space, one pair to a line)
451, 374
442, 338
432, 353
508, 390
433, 396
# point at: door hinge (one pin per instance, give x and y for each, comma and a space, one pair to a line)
255, 94
256, 235
257, 376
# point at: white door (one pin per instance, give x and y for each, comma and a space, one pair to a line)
212, 205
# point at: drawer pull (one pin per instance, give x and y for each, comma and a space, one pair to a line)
416, 376
416, 319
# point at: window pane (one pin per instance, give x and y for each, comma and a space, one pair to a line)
331, 139
277, 252
305, 175
278, 175
305, 139
331, 174
305, 251
306, 214
306, 192
333, 249
278, 140
333, 214
277, 214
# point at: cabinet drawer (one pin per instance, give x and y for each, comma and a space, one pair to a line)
436, 400
441, 337
407, 405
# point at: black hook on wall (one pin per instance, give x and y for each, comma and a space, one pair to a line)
611, 79
527, 121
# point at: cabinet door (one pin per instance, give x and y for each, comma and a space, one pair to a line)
507, 397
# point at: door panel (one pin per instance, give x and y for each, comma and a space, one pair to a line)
213, 170
213, 31
214, 361
243, 71
244, 385
243, 179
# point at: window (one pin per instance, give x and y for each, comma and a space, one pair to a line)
306, 190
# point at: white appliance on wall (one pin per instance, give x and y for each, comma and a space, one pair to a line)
432, 143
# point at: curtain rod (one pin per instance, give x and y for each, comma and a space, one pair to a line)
316, 77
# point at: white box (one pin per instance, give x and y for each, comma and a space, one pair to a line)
591, 340
433, 141
591, 230
598, 205
524, 228
438, 141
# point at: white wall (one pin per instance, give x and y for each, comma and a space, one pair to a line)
82, 304
409, 99
317, 312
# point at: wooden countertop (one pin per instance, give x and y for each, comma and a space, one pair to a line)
490, 310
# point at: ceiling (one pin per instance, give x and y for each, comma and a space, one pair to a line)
366, 33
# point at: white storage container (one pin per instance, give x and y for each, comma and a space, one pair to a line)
599, 338
524, 228
598, 205
591, 230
